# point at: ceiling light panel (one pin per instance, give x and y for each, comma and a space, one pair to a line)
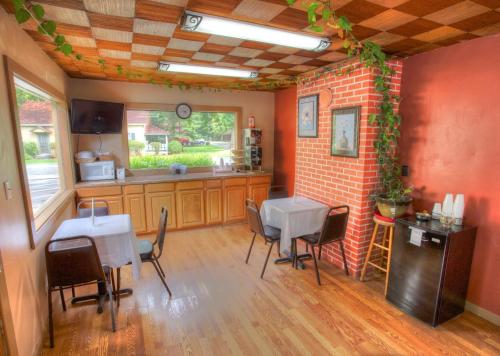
187, 68
197, 22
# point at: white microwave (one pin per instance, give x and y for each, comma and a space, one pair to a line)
100, 170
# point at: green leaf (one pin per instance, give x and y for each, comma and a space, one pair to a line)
347, 44
38, 11
311, 12
59, 40
326, 13
344, 24
47, 27
316, 28
22, 15
291, 2
18, 4
78, 56
101, 61
66, 48
372, 118
119, 69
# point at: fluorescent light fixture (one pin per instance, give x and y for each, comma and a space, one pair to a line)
196, 22
224, 72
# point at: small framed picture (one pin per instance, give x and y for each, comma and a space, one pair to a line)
308, 116
345, 132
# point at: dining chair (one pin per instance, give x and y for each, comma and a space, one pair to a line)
277, 192
148, 254
74, 261
82, 212
333, 230
270, 234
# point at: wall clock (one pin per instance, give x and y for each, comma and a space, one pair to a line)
183, 110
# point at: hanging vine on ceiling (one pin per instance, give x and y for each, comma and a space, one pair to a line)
321, 13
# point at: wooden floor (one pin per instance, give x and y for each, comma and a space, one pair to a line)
221, 307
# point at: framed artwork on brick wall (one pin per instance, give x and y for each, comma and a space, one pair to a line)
345, 132
308, 116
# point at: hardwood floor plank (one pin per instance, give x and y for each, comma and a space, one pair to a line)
220, 306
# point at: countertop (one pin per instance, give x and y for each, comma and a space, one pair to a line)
161, 178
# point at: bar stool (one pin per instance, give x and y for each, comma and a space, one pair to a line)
385, 246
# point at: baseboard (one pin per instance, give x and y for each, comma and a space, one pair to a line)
483, 313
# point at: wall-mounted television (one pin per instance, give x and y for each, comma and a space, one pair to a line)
96, 117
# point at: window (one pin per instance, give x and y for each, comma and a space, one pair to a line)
37, 115
158, 139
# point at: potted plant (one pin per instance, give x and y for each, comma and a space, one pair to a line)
394, 199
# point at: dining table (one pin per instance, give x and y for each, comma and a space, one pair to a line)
296, 216
115, 241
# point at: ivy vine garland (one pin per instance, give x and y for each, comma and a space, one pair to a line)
370, 55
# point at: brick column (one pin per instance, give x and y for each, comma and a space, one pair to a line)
341, 180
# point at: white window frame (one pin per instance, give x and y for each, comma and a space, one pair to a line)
37, 221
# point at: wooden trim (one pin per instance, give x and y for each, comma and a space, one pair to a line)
171, 107
483, 313
36, 222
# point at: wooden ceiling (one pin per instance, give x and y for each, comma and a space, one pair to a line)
138, 33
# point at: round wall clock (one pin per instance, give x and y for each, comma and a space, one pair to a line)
183, 110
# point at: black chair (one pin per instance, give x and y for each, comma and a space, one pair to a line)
82, 212
269, 233
148, 254
277, 192
333, 230
74, 261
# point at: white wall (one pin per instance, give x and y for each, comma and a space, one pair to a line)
258, 104
22, 281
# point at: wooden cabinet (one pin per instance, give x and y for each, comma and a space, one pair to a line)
135, 207
213, 202
115, 203
235, 195
190, 204
258, 189
154, 202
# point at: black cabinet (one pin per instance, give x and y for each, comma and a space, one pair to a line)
430, 281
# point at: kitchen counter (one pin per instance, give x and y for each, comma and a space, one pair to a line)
160, 178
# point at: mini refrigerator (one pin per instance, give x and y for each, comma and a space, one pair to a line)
428, 277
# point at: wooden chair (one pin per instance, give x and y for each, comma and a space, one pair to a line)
384, 261
148, 254
82, 212
269, 233
74, 261
333, 230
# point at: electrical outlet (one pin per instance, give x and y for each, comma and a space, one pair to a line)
7, 190
405, 170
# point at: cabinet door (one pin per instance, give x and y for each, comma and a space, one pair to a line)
115, 204
154, 203
190, 208
258, 193
214, 206
134, 205
234, 203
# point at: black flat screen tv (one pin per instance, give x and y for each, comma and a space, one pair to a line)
96, 117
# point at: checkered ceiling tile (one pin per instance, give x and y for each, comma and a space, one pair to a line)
138, 33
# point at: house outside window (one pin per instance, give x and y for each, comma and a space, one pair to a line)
158, 139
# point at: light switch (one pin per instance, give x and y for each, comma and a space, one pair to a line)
8, 190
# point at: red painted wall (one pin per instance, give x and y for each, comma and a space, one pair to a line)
285, 118
451, 141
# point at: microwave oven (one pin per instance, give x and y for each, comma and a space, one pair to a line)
100, 170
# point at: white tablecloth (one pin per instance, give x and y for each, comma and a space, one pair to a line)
114, 237
295, 217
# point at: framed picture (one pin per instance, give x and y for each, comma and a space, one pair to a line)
308, 116
345, 132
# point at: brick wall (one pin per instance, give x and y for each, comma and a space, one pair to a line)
339, 180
